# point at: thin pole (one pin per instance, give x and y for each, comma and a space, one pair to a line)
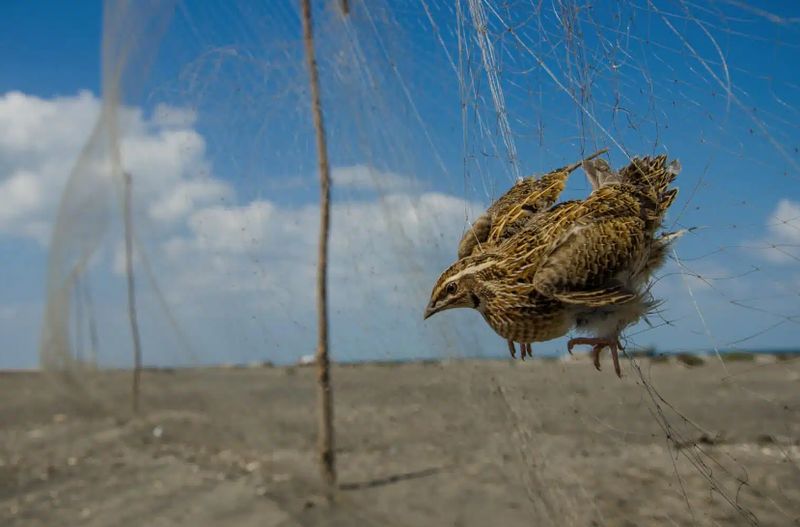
137, 347
324, 391
92, 322
78, 321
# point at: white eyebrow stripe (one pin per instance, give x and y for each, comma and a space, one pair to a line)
470, 270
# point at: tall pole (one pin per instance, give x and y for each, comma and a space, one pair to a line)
93, 341
137, 347
78, 321
324, 392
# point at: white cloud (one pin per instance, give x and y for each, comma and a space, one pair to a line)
364, 177
782, 243
352, 179
166, 116
217, 256
185, 196
39, 142
376, 246
194, 215
785, 221
31, 125
235, 229
23, 193
41, 139
211, 251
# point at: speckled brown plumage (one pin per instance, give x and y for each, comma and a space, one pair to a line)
512, 211
583, 264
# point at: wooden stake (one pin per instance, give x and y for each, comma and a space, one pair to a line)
137, 347
93, 340
324, 391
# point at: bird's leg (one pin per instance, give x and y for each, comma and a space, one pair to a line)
580, 340
597, 346
513, 350
526, 348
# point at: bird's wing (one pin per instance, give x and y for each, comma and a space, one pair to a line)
510, 213
514, 209
476, 236
529, 199
587, 261
616, 294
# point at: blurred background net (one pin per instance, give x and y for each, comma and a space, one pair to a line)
433, 109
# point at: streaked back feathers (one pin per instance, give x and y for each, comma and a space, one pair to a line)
511, 212
648, 178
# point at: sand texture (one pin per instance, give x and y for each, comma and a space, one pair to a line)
457, 443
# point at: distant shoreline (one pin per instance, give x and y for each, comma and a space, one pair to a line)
655, 355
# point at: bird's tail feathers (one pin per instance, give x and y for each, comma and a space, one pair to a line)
649, 179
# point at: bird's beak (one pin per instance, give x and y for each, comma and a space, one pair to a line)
430, 311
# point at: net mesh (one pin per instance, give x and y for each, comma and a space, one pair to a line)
433, 109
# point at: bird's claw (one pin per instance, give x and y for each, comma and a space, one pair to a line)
524, 348
597, 346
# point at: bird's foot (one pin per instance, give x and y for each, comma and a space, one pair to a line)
524, 348
597, 346
513, 350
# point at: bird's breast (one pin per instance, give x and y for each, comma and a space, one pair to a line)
529, 323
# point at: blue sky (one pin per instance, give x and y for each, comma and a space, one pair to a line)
50, 48
216, 131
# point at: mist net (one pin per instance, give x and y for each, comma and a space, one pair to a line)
433, 109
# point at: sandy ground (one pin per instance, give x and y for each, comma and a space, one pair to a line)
459, 443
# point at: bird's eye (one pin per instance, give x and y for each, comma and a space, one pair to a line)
452, 287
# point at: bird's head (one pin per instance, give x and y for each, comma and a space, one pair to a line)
458, 285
